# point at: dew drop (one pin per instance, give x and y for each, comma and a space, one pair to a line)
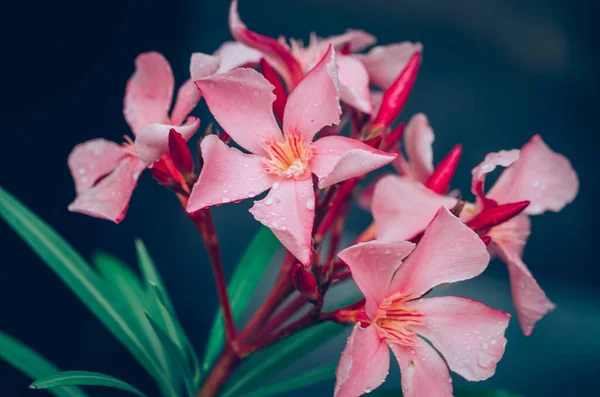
251, 194
310, 204
269, 201
275, 186
493, 341
486, 346
225, 199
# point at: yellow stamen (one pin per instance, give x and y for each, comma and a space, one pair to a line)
394, 318
289, 158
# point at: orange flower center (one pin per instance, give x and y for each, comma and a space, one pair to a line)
394, 319
289, 158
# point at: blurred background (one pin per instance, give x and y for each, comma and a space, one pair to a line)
494, 73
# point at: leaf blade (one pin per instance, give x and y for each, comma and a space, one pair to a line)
83, 378
32, 364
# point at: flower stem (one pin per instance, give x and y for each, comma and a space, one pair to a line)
204, 223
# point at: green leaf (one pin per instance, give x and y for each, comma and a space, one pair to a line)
83, 378
128, 286
298, 382
248, 273
161, 308
267, 363
176, 358
32, 364
93, 291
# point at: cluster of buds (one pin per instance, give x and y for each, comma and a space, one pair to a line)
273, 99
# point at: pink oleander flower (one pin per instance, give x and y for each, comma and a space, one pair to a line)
468, 334
382, 64
105, 173
535, 174
241, 101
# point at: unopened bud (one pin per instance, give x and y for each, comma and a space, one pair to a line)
395, 97
439, 180
180, 153
494, 216
305, 282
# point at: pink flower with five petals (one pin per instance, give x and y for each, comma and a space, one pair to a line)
241, 102
535, 173
105, 173
468, 334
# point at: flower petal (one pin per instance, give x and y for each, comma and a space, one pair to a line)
356, 38
541, 176
242, 103
364, 364
354, 84
227, 175
384, 63
402, 207
469, 334
448, 252
278, 54
530, 300
289, 211
236, 55
503, 158
188, 96
152, 141
315, 102
109, 199
418, 137
149, 92
337, 158
372, 265
89, 161
423, 372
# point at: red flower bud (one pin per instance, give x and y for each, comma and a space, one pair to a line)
439, 181
279, 91
394, 136
160, 172
494, 216
180, 153
397, 94
305, 282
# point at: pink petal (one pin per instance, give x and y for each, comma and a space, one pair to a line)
502, 158
188, 96
92, 160
418, 137
315, 102
354, 84
236, 55
242, 103
152, 141
372, 265
402, 207
384, 63
364, 364
541, 176
149, 92
357, 39
109, 199
337, 158
423, 372
530, 300
448, 252
469, 334
289, 210
278, 54
227, 175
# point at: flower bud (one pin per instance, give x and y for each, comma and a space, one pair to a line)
180, 153
305, 282
494, 216
439, 180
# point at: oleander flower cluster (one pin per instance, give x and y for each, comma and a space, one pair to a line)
298, 129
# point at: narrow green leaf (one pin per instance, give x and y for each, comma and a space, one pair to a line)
298, 382
127, 284
93, 291
83, 378
176, 357
162, 309
32, 364
248, 273
267, 363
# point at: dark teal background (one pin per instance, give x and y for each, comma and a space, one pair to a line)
494, 74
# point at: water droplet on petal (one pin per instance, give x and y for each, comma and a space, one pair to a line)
269, 201
310, 204
225, 199
251, 194
275, 186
